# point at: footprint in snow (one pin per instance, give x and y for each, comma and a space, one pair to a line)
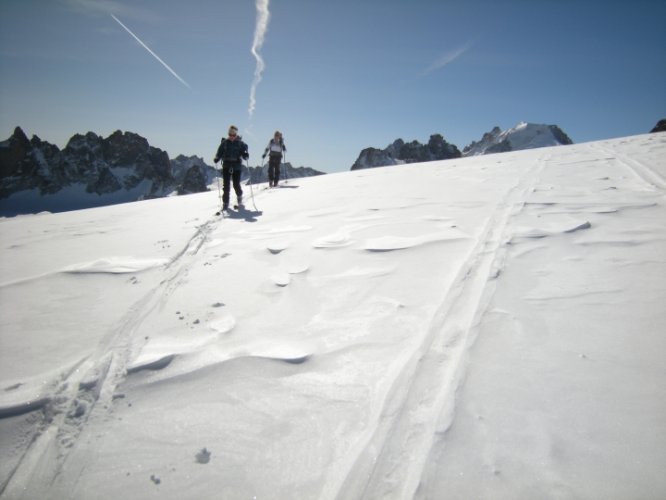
203, 456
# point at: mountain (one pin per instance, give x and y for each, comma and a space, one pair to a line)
400, 152
287, 171
489, 327
92, 171
192, 174
660, 126
522, 136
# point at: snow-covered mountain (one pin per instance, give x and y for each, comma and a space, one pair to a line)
481, 327
401, 152
522, 136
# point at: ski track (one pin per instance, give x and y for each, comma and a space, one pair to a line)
390, 462
87, 390
652, 179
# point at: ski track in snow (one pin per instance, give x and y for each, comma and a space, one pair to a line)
389, 458
390, 464
88, 390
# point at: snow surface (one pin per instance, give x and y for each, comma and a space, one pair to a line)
490, 327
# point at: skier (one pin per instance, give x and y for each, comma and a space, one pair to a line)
274, 150
232, 151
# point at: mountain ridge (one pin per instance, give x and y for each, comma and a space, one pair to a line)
523, 136
93, 171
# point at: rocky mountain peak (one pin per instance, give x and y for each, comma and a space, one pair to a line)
401, 152
659, 127
123, 167
522, 136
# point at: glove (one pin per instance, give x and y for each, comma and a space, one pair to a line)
216, 160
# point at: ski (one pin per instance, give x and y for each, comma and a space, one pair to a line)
225, 212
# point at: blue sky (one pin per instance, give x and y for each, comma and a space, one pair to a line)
339, 75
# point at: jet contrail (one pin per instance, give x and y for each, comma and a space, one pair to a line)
263, 16
151, 52
447, 58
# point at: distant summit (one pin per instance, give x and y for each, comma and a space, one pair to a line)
660, 126
522, 136
401, 152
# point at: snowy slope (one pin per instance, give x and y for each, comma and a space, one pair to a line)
487, 327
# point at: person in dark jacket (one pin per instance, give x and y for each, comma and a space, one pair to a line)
232, 151
274, 150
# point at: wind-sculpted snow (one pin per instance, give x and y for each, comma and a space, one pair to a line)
550, 226
115, 265
488, 327
390, 243
335, 240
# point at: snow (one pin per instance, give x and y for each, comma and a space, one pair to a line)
487, 327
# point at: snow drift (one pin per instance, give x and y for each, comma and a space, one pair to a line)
486, 327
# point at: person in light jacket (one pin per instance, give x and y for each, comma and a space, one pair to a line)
274, 151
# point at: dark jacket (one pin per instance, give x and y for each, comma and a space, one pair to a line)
231, 152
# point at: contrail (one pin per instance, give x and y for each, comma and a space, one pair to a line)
263, 16
151, 52
447, 58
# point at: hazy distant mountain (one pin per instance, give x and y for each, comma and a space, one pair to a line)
287, 171
522, 136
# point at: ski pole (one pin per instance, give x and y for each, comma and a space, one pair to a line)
219, 192
247, 164
263, 163
286, 174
